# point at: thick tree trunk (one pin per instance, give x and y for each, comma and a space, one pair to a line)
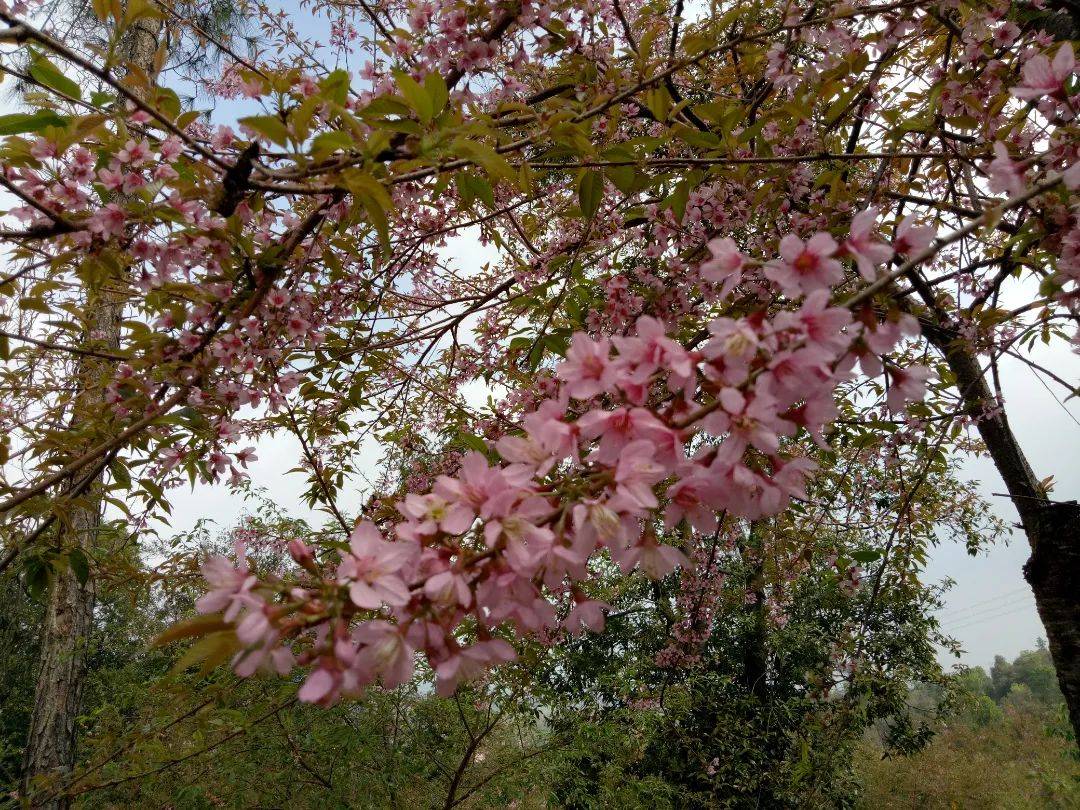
50, 747
51, 738
1053, 571
1052, 528
50, 744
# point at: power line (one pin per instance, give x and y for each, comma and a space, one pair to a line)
985, 619
996, 598
972, 612
1013, 605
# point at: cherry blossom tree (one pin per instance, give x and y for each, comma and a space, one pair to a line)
720, 238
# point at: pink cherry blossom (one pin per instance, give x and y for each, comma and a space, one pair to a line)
372, 568
724, 267
108, 222
526, 450
805, 266
1005, 174
547, 426
734, 343
655, 560
134, 153
693, 497
861, 245
385, 652
910, 238
448, 587
617, 428
476, 484
1041, 77
230, 587
587, 369
587, 614
636, 473
818, 322
749, 421
319, 687
906, 385
430, 513
469, 663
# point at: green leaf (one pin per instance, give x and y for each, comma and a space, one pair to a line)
184, 120
377, 216
35, 305
210, 651
625, 178
17, 123
435, 85
370, 193
361, 182
36, 575
487, 158
590, 191
269, 125
465, 189
137, 9
44, 71
80, 566
199, 626
471, 187
168, 103
383, 106
866, 556
120, 474
335, 87
658, 100
473, 442
326, 143
414, 95
678, 200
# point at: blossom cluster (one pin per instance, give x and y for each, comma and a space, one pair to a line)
643, 434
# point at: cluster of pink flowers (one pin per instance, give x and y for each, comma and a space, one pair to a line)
1048, 84
659, 418
173, 240
1043, 78
697, 602
643, 434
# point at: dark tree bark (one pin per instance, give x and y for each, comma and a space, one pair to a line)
65, 636
50, 745
1052, 528
1053, 571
